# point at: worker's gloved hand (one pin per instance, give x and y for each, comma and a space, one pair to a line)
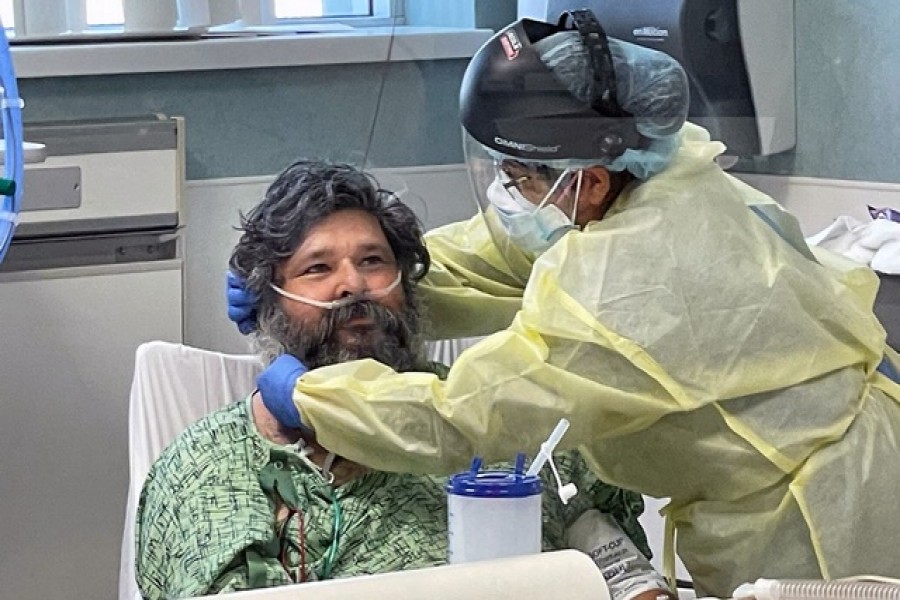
276, 386
241, 303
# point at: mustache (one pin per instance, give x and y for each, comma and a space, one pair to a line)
394, 337
391, 340
363, 309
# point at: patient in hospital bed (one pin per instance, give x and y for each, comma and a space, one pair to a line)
239, 501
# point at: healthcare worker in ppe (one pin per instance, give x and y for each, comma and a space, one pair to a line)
672, 313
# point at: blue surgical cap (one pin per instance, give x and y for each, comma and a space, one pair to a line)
650, 85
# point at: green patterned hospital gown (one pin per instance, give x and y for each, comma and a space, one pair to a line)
206, 523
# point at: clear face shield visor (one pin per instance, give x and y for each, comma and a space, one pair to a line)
526, 203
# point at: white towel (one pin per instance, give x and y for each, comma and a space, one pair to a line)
874, 243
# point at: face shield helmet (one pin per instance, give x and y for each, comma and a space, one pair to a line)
531, 123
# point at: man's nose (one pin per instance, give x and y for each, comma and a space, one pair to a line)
351, 281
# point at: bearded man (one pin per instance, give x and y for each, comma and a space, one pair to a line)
240, 500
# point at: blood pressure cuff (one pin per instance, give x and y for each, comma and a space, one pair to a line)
626, 570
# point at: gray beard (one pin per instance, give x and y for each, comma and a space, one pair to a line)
395, 339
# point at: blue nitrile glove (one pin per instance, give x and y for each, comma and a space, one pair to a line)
276, 385
241, 303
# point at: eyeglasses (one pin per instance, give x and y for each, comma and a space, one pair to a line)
533, 181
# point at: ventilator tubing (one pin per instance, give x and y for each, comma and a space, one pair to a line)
343, 301
856, 589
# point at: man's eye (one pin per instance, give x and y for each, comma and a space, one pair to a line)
373, 260
315, 269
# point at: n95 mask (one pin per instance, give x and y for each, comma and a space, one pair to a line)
532, 228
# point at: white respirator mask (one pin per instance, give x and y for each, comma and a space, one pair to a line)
534, 228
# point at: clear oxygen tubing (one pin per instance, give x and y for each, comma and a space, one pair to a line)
364, 165
11, 111
856, 588
367, 295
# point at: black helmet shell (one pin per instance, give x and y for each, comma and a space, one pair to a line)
513, 104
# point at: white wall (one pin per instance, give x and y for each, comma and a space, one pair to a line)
817, 202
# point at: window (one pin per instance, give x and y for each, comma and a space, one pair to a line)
103, 12
354, 12
6, 13
294, 9
109, 14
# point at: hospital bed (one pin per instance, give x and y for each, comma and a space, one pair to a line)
562, 575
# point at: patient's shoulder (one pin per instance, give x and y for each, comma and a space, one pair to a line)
210, 464
204, 451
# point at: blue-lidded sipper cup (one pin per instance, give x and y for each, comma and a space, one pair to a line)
493, 514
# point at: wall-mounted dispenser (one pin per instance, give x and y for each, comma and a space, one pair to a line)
739, 56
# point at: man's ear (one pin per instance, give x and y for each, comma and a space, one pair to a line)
599, 184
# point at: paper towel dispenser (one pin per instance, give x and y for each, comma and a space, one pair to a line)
738, 54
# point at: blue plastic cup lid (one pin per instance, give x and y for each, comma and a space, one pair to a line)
493, 484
